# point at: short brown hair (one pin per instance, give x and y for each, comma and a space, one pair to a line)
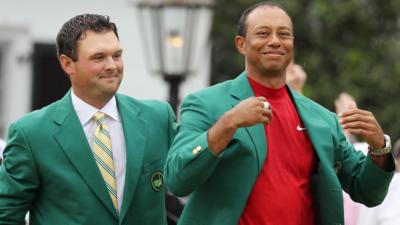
73, 29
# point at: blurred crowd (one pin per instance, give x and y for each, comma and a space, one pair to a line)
388, 212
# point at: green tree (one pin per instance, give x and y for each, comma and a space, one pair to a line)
343, 45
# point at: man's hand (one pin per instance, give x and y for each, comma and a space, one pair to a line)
363, 124
247, 113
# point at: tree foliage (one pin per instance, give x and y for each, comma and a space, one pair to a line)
343, 45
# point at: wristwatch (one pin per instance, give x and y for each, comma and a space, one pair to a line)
382, 151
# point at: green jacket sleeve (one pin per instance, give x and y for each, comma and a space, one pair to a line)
360, 176
18, 178
189, 161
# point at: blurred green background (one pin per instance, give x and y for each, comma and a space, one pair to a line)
343, 45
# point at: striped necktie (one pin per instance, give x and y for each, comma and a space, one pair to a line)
102, 153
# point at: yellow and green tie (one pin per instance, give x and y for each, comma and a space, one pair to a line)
102, 152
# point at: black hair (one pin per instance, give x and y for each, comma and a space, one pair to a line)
73, 29
242, 26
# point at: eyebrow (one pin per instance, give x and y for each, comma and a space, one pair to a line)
102, 52
268, 27
119, 51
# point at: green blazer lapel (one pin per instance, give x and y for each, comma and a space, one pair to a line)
241, 90
317, 129
135, 131
73, 142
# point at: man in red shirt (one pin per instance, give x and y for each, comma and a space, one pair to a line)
247, 162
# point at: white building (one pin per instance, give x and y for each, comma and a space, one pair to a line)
29, 27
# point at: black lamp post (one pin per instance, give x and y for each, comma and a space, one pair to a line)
174, 33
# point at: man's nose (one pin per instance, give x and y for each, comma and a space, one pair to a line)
274, 40
110, 63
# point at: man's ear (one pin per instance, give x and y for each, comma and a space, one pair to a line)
240, 44
67, 64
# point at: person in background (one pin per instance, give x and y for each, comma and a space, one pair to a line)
296, 77
388, 212
251, 151
343, 103
2, 146
95, 157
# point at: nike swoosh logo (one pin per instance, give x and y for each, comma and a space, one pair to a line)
300, 128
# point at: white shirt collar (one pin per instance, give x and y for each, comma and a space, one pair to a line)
85, 111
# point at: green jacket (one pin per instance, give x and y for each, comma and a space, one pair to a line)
49, 168
219, 186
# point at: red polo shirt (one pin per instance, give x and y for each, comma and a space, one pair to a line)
281, 194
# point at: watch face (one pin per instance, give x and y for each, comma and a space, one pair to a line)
382, 151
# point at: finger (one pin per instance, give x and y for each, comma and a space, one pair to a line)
267, 113
261, 98
357, 118
357, 114
365, 134
256, 101
355, 111
359, 125
265, 120
358, 132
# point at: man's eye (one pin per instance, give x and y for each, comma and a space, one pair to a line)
285, 35
99, 57
262, 33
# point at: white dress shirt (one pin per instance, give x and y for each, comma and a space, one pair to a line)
85, 114
388, 212
2, 146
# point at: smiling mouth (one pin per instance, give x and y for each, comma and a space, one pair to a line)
108, 76
273, 53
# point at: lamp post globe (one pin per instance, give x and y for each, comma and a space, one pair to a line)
175, 33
